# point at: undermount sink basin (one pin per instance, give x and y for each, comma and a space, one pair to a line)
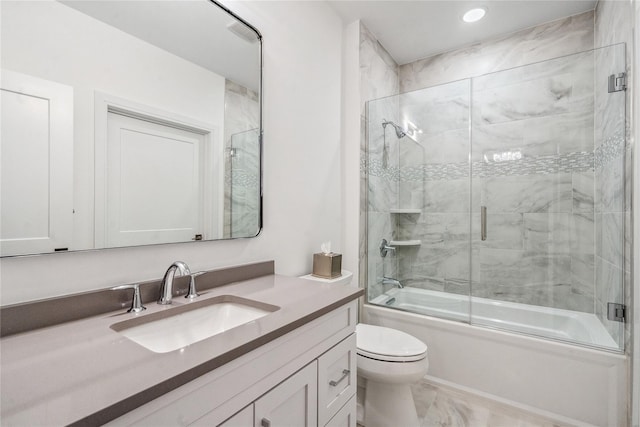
180, 326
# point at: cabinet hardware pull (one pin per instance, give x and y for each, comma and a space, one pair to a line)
265, 422
345, 374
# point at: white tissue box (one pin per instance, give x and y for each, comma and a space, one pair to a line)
327, 266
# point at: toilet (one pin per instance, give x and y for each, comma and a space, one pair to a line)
390, 361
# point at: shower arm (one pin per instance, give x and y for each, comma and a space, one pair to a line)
400, 132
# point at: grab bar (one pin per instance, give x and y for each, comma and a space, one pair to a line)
483, 223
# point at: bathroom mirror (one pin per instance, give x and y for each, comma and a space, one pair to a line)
127, 123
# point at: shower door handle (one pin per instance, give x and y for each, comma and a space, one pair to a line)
483, 223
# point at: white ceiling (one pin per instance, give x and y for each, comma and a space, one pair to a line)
412, 30
193, 30
409, 30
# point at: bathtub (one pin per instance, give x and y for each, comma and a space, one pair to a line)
565, 383
554, 323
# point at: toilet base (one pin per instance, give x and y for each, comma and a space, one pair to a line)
389, 405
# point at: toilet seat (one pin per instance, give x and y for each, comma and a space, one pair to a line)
390, 345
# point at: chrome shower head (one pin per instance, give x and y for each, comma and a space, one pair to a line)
400, 133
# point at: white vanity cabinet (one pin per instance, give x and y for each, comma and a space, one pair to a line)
346, 416
306, 377
320, 394
336, 379
241, 419
292, 403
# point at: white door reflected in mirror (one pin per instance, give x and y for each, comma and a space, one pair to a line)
153, 199
36, 165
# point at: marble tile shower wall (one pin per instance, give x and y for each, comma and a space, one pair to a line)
434, 177
538, 203
382, 161
541, 191
378, 79
562, 37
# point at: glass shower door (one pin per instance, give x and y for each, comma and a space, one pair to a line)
418, 201
548, 198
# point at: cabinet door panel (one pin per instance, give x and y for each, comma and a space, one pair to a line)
243, 418
346, 416
293, 403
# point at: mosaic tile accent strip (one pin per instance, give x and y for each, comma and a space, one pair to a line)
239, 178
611, 149
579, 161
378, 169
435, 172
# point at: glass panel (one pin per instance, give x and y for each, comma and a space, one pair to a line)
611, 196
548, 170
242, 198
419, 201
535, 233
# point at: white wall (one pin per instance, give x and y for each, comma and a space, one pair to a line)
302, 177
351, 149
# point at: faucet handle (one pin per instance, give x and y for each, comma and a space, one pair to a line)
385, 248
136, 303
192, 285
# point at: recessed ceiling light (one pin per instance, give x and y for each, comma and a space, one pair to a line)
474, 15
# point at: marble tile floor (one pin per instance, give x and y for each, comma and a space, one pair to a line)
441, 406
446, 407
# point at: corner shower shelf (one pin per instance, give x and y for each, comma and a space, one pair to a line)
405, 242
405, 211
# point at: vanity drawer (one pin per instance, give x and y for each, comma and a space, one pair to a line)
336, 378
346, 417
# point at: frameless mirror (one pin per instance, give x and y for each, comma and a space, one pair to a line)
127, 123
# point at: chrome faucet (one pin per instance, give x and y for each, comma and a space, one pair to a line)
392, 281
166, 287
385, 248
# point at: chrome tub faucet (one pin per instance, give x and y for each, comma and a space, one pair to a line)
392, 281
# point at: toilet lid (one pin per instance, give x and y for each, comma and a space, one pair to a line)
380, 343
